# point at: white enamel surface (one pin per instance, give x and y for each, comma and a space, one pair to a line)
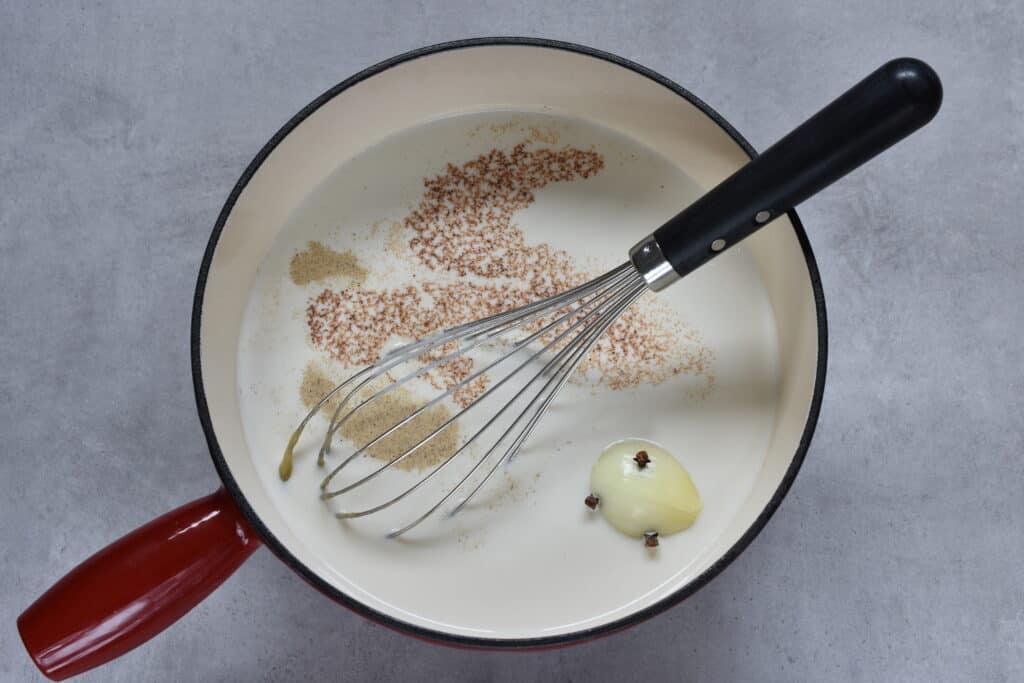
492, 577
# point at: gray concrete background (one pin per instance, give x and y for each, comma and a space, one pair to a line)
897, 555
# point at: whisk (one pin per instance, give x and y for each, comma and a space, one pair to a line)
538, 346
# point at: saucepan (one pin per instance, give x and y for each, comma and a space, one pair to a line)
726, 370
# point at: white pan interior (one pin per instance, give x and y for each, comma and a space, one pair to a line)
531, 561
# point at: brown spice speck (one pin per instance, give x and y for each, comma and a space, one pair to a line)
642, 459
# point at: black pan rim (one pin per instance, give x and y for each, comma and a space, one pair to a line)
279, 549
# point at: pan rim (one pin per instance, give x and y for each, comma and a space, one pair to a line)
441, 637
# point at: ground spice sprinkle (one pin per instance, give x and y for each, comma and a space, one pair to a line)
463, 226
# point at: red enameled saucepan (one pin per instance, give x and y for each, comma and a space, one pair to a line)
737, 406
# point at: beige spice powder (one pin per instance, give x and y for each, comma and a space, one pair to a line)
378, 416
318, 262
548, 136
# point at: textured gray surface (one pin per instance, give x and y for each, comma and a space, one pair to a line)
898, 553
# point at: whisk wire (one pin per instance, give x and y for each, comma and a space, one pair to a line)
600, 298
437, 431
479, 340
622, 300
565, 326
468, 330
559, 378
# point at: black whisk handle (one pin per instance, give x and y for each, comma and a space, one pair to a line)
894, 101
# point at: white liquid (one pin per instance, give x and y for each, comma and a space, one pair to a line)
488, 571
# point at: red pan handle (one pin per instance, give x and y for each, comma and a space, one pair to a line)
136, 587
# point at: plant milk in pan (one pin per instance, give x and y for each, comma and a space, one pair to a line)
527, 539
